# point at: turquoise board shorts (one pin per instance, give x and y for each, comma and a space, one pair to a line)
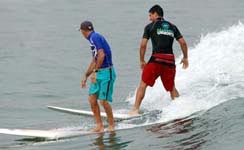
104, 84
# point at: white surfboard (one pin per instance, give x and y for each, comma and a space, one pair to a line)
117, 116
54, 134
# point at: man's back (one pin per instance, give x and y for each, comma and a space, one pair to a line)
162, 34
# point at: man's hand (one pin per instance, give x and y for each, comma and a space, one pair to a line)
142, 64
83, 82
185, 63
184, 49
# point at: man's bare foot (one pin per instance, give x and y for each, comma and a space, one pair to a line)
110, 128
134, 112
97, 129
174, 97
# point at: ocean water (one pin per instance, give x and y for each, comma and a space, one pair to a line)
43, 57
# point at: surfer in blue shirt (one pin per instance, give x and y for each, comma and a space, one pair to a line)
102, 75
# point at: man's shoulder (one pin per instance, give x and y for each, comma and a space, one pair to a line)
96, 36
149, 25
170, 23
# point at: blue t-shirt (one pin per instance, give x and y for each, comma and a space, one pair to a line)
97, 42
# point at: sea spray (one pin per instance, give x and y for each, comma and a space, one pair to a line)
215, 75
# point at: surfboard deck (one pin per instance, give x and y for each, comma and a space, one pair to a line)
117, 116
53, 134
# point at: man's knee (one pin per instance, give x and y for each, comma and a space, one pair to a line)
104, 103
93, 100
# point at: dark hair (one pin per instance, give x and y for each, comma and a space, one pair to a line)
157, 9
86, 25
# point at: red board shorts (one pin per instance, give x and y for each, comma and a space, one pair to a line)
153, 70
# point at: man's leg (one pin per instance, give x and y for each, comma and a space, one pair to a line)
174, 93
139, 97
168, 80
109, 112
96, 111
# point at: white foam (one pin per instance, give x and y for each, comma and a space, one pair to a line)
215, 75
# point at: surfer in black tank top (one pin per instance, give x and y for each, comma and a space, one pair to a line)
162, 62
